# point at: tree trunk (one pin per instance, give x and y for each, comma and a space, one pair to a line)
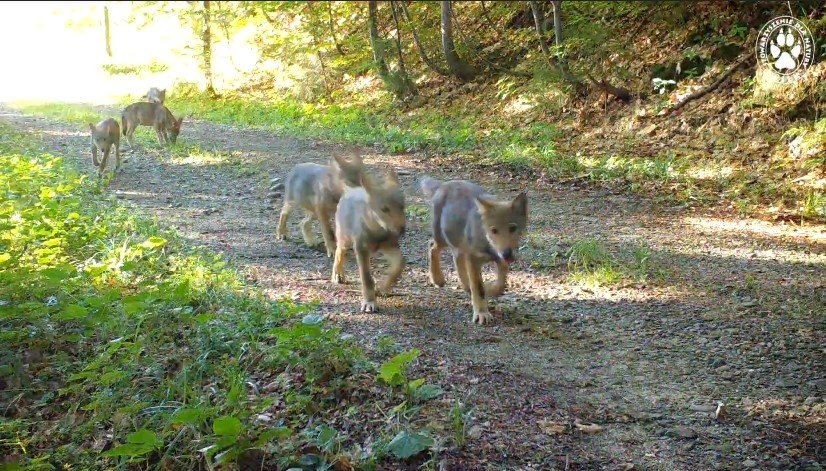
206, 39
558, 21
540, 30
333, 28
108, 31
375, 43
419, 47
458, 67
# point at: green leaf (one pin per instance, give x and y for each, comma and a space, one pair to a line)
415, 384
428, 392
393, 370
72, 312
5, 257
226, 425
193, 416
111, 377
144, 437
404, 445
153, 242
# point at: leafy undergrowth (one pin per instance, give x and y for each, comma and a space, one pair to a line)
679, 174
125, 348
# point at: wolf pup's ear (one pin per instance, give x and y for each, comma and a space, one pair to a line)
392, 177
365, 183
92, 127
520, 203
484, 204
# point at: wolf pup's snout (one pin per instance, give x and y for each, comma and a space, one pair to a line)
507, 255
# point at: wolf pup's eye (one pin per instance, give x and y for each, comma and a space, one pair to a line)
513, 228
494, 230
385, 209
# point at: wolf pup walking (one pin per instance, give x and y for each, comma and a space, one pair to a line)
316, 189
155, 96
370, 219
156, 115
478, 229
105, 135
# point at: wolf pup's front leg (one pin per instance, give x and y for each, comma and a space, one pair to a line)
368, 288
481, 314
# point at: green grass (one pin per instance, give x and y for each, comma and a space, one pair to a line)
591, 263
124, 345
686, 178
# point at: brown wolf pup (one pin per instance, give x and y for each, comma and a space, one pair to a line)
478, 229
105, 135
156, 115
155, 96
316, 189
370, 219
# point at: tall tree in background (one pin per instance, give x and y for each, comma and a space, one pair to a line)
108, 31
457, 66
397, 82
558, 21
206, 40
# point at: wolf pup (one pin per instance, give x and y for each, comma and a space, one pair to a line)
155, 96
316, 189
105, 135
478, 229
156, 115
370, 219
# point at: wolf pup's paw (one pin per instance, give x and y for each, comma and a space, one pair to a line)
438, 282
369, 306
337, 278
482, 318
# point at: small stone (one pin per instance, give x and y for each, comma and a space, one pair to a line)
748, 464
810, 400
685, 432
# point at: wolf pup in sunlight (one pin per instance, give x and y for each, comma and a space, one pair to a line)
478, 229
316, 189
370, 219
150, 114
104, 136
155, 96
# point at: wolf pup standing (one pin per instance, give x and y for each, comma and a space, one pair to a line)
370, 219
316, 189
155, 96
156, 115
105, 135
478, 229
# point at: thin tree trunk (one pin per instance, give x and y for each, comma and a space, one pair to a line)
458, 67
375, 43
206, 39
419, 47
540, 30
108, 31
402, 68
558, 21
333, 28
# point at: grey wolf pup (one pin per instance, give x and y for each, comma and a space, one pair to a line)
317, 189
370, 219
155, 96
477, 229
105, 135
156, 115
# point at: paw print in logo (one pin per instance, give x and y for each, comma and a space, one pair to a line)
785, 50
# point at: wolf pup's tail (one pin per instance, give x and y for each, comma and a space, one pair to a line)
429, 186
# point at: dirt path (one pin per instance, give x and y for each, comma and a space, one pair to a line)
733, 311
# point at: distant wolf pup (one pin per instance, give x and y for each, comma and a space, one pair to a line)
370, 219
156, 115
155, 96
316, 189
478, 229
105, 135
